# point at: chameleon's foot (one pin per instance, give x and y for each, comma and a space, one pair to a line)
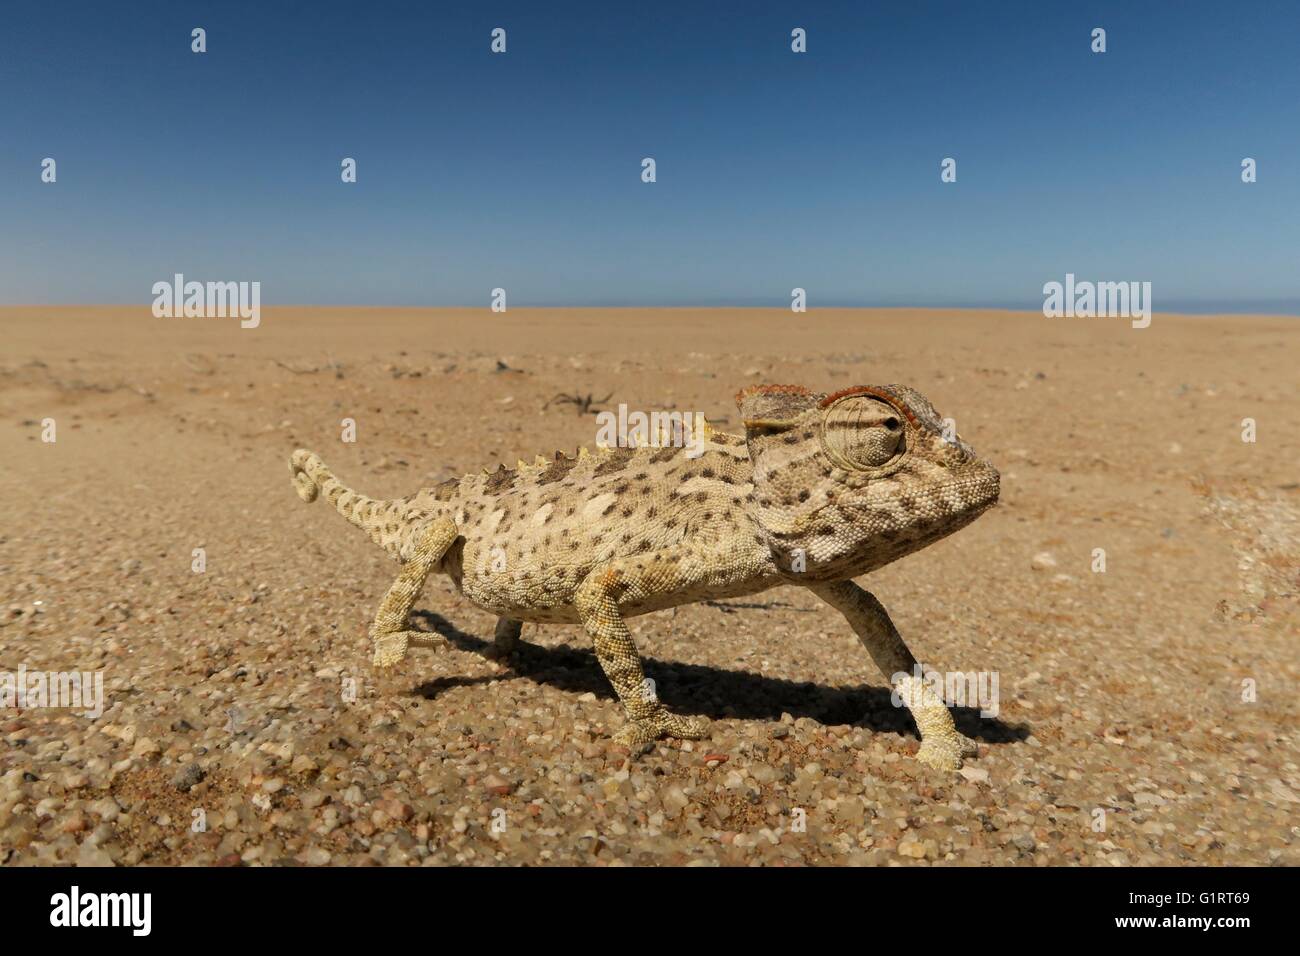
391, 646
946, 753
939, 754
661, 723
506, 639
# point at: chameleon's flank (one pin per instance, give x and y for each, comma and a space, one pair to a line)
819, 490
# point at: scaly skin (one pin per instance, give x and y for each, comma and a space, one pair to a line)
819, 490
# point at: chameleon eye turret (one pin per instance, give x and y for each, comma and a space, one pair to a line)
862, 432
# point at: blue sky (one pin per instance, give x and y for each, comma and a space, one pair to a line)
775, 170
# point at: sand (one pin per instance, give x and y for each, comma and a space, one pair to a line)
243, 723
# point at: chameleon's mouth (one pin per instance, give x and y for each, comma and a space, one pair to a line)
978, 493
992, 490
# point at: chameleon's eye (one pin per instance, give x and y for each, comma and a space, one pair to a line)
863, 433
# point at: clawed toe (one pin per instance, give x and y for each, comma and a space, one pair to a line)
391, 646
685, 728
645, 730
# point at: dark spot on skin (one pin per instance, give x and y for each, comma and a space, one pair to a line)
618, 459
446, 490
706, 473
803, 496
556, 470
663, 454
499, 481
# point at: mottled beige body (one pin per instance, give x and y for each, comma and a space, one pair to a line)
820, 489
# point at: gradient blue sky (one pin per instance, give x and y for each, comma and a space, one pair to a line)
775, 170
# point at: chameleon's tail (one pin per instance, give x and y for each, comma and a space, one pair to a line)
376, 518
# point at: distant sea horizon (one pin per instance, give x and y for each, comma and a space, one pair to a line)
1288, 307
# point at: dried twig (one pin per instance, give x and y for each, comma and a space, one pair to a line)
583, 404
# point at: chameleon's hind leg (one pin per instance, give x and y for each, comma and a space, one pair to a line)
391, 630
506, 639
942, 746
596, 602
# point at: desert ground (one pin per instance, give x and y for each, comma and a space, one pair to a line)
1147, 713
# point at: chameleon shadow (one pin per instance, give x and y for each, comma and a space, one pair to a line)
711, 691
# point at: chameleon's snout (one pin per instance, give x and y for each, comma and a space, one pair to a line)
988, 488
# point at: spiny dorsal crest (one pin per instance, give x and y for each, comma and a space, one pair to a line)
667, 434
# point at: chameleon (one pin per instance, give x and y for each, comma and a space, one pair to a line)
820, 489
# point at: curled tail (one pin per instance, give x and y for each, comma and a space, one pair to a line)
382, 520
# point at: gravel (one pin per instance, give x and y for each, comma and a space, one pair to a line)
243, 724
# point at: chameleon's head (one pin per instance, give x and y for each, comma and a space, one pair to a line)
847, 482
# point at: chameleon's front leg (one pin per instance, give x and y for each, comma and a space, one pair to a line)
597, 604
942, 747
390, 631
